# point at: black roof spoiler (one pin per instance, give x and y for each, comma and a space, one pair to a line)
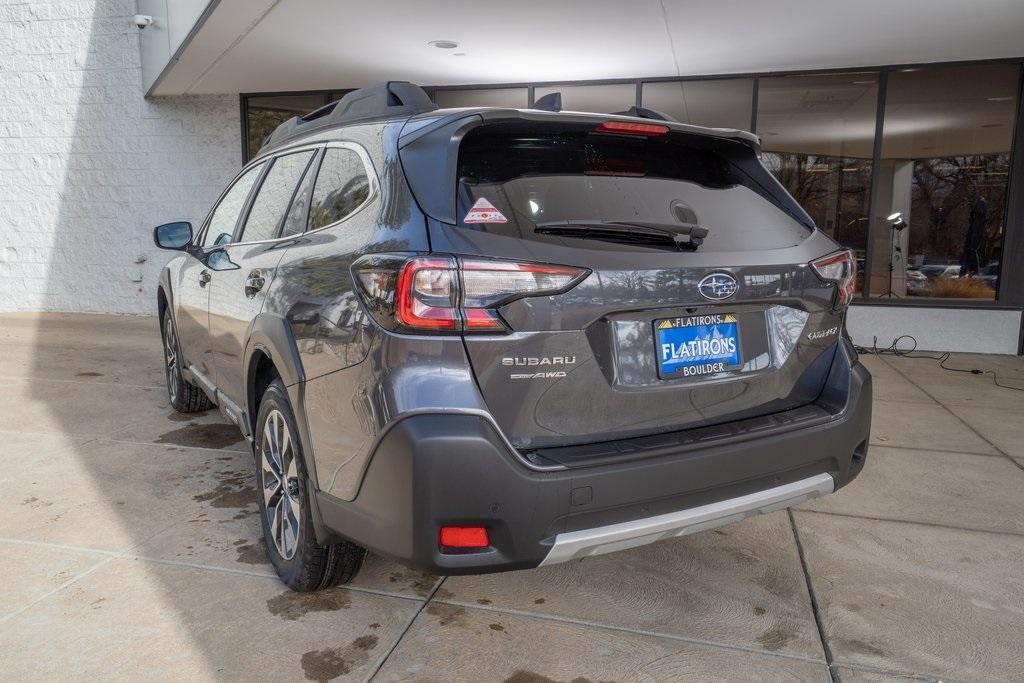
381, 101
424, 125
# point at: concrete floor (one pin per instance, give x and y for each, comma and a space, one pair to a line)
129, 549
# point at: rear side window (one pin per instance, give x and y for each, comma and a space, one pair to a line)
555, 173
295, 221
341, 187
224, 218
274, 197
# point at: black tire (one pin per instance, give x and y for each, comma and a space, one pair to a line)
184, 396
302, 564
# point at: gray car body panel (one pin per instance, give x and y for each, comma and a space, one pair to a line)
351, 382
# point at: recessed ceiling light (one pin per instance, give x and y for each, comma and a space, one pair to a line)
443, 44
863, 82
1000, 99
907, 71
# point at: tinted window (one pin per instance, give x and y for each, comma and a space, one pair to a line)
274, 196
341, 187
555, 173
222, 223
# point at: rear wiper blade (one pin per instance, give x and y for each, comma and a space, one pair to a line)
681, 235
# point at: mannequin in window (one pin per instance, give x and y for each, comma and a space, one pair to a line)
970, 260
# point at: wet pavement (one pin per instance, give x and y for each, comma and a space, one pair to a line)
130, 549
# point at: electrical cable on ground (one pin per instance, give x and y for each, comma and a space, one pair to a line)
911, 352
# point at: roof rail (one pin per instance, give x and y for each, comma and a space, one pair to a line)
384, 100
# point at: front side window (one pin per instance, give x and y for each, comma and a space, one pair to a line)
275, 194
341, 187
224, 218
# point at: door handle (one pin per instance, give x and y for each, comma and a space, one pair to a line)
254, 283
204, 278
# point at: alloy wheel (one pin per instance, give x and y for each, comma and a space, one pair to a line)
171, 358
280, 482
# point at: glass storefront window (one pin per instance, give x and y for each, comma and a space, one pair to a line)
264, 114
944, 161
604, 99
944, 167
717, 103
817, 132
514, 98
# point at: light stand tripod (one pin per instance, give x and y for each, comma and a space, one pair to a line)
897, 225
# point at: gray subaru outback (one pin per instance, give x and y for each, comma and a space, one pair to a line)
484, 339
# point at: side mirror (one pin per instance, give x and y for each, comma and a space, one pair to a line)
177, 236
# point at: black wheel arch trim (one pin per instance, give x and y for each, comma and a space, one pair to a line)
164, 286
271, 335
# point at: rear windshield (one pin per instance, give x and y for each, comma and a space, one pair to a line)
544, 174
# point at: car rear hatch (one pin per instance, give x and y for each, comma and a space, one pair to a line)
696, 305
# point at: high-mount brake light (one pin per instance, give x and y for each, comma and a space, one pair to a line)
840, 268
630, 128
443, 295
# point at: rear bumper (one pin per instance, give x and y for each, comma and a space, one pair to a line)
435, 470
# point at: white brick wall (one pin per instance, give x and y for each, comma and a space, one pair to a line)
88, 166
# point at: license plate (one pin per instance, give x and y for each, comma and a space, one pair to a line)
697, 345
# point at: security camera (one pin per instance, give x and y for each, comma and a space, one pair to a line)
141, 21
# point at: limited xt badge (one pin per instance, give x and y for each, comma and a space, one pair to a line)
538, 362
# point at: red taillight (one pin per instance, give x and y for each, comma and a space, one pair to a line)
481, 319
840, 268
464, 537
426, 295
492, 283
630, 128
443, 294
